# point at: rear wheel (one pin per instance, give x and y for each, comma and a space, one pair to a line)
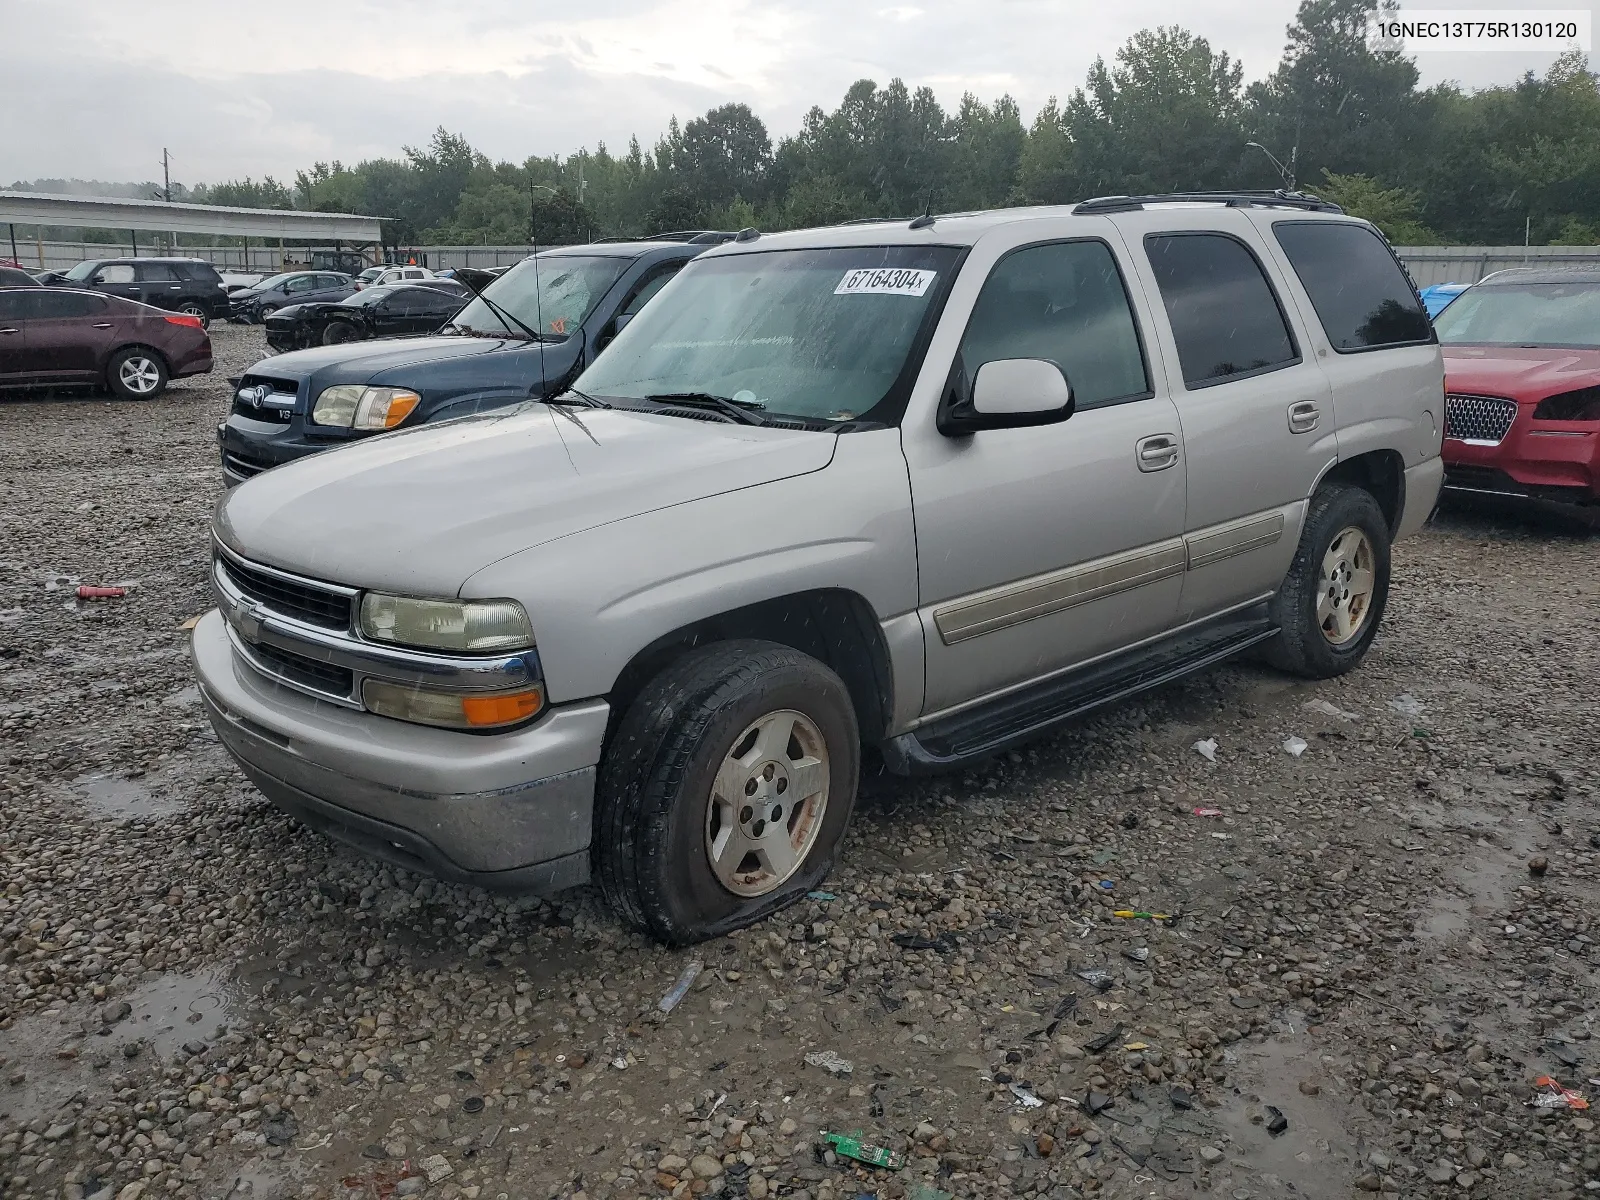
339, 331
726, 791
136, 373
191, 308
1332, 599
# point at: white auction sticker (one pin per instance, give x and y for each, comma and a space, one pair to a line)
885, 281
1412, 30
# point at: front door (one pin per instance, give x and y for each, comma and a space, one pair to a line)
118, 279
1256, 408
1041, 548
13, 333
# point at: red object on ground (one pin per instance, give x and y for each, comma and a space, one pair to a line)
85, 592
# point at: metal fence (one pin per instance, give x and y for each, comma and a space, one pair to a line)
1468, 264
1428, 264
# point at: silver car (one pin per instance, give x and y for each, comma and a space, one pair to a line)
934, 486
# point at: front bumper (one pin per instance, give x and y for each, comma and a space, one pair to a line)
249, 447
510, 811
1537, 460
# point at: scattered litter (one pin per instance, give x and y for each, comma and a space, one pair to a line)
436, 1167
620, 1062
1564, 1054
681, 988
1203, 811
1295, 746
1105, 1039
86, 592
1407, 705
1096, 1103
1107, 885
943, 943
830, 1062
1276, 1121
472, 1104
1223, 837
1136, 1045
1097, 977
1538, 865
1328, 709
1556, 1096
1207, 748
317, 1144
1138, 914
1137, 954
191, 622
1026, 1098
849, 1145
821, 896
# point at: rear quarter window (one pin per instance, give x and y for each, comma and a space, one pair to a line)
1362, 297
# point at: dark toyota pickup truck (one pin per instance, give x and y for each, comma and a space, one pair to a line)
551, 314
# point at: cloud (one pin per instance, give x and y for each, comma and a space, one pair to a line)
266, 89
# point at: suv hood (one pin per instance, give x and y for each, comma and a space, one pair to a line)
1525, 373
361, 361
421, 512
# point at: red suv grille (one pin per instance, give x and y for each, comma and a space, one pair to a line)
1484, 419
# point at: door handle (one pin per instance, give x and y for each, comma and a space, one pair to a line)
1156, 452
1304, 416
9, 330
175, 287
101, 325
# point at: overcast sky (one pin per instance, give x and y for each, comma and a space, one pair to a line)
94, 88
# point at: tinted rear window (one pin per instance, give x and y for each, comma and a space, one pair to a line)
1225, 317
47, 306
204, 272
1362, 297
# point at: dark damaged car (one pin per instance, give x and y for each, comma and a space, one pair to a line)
391, 310
527, 336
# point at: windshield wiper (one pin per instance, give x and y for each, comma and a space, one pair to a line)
583, 398
505, 317
744, 414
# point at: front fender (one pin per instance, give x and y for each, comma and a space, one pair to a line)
599, 597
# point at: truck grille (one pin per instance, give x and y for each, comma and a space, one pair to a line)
307, 672
264, 398
301, 601
1482, 419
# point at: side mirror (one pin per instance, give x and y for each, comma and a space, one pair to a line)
615, 326
1009, 393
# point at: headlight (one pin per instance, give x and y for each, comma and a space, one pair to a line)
356, 406
472, 626
452, 710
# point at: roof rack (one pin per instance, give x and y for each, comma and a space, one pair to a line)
1265, 198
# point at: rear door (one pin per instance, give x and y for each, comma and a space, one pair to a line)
13, 333
1256, 408
70, 335
160, 285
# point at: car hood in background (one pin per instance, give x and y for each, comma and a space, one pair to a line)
1527, 373
365, 359
421, 512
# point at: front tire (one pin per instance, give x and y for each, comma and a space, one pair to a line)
726, 791
136, 374
339, 332
1332, 600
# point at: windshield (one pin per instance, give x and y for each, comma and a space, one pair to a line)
367, 297
83, 270
811, 333
1526, 314
569, 286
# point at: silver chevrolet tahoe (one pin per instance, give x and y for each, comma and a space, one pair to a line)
929, 487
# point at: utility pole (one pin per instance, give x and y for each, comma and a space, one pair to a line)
166, 175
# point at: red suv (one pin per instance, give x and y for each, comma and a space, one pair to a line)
1522, 382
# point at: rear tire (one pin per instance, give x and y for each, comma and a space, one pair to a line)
339, 332
190, 308
136, 373
1332, 600
726, 791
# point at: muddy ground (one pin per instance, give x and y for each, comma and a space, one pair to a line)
199, 998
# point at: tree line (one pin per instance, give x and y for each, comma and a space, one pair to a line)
1167, 113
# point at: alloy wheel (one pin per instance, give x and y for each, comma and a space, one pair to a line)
140, 375
1346, 585
767, 803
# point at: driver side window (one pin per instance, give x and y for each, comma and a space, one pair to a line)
647, 290
1064, 302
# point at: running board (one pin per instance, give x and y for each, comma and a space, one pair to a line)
977, 733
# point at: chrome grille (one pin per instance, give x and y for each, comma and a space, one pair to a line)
287, 595
1484, 420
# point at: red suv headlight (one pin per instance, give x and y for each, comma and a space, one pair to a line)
1580, 405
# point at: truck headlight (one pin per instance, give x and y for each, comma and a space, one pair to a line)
357, 406
471, 626
452, 710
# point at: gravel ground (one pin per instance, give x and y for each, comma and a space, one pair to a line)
199, 998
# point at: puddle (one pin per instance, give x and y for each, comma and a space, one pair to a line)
167, 1012
122, 799
186, 697
1316, 1156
